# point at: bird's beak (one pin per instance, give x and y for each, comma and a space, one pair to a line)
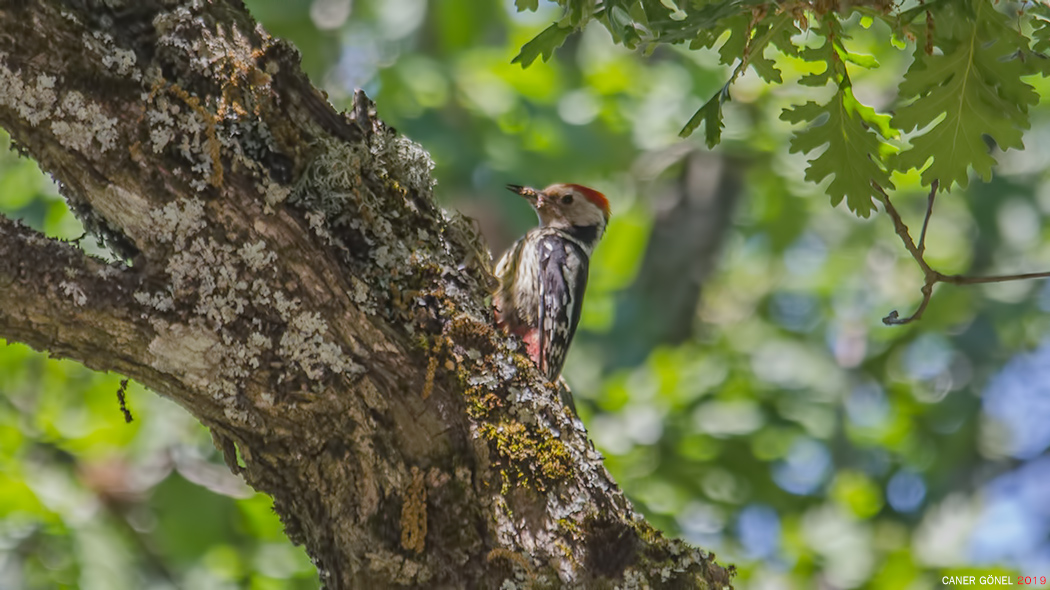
530, 194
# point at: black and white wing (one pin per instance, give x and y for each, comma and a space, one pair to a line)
563, 280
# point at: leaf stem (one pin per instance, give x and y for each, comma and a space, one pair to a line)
926, 220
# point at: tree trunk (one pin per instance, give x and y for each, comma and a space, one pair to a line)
291, 283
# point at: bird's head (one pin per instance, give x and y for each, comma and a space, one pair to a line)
568, 206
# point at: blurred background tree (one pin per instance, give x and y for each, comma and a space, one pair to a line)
732, 364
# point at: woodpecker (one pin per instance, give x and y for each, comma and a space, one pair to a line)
542, 277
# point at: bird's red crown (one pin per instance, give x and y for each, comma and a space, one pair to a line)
595, 197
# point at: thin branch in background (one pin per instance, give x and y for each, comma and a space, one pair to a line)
963, 280
926, 220
894, 319
902, 230
930, 276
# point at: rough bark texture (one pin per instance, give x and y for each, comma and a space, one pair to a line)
294, 287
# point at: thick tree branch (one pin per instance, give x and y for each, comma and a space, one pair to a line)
932, 277
291, 283
53, 297
56, 298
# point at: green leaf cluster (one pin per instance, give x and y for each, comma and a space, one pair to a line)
964, 93
970, 89
855, 135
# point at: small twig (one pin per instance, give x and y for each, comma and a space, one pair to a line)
963, 280
930, 276
902, 231
894, 319
926, 220
123, 403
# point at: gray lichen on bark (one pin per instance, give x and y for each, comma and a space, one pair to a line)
287, 278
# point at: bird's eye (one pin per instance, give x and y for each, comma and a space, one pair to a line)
566, 200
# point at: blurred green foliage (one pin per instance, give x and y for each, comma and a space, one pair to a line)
792, 433
965, 81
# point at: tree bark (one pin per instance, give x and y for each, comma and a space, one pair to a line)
289, 281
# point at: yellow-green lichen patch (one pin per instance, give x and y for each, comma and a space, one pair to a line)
494, 383
569, 525
533, 458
